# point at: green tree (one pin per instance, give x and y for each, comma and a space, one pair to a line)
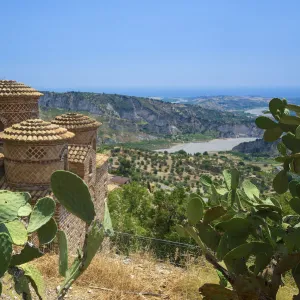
130, 209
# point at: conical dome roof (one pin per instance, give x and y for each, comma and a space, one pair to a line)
11, 88
75, 121
35, 130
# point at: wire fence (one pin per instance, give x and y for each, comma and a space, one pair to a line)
122, 243
175, 252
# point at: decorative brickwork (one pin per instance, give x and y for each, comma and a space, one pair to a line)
24, 174
73, 227
19, 152
84, 127
85, 138
18, 103
16, 112
36, 131
34, 149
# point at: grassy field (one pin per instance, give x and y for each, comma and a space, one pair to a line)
112, 277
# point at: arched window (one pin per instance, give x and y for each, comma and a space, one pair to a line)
64, 158
91, 167
66, 163
1, 129
94, 144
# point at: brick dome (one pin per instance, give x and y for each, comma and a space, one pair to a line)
75, 121
12, 88
35, 130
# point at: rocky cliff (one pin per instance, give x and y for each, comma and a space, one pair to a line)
258, 146
151, 117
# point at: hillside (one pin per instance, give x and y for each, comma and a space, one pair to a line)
223, 102
128, 118
258, 146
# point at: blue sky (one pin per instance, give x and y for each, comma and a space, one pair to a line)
96, 45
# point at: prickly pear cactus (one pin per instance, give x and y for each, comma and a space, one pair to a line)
41, 214
10, 203
72, 192
63, 253
243, 233
285, 122
16, 230
240, 233
13, 208
47, 232
35, 278
5, 252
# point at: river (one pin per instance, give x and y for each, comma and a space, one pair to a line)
209, 146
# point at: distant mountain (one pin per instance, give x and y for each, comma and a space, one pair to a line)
127, 118
228, 103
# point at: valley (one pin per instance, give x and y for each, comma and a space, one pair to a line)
180, 169
134, 119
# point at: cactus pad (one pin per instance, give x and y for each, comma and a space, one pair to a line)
282, 149
291, 142
206, 180
235, 178
271, 135
41, 214
280, 182
250, 189
47, 232
229, 242
10, 203
208, 236
236, 259
263, 122
16, 230
71, 191
25, 211
213, 213
195, 210
212, 291
192, 232
295, 204
94, 240
276, 106
35, 278
5, 252
227, 178
63, 252
235, 226
28, 253
181, 231
107, 222
22, 287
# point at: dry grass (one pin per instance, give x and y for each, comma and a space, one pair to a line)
140, 273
